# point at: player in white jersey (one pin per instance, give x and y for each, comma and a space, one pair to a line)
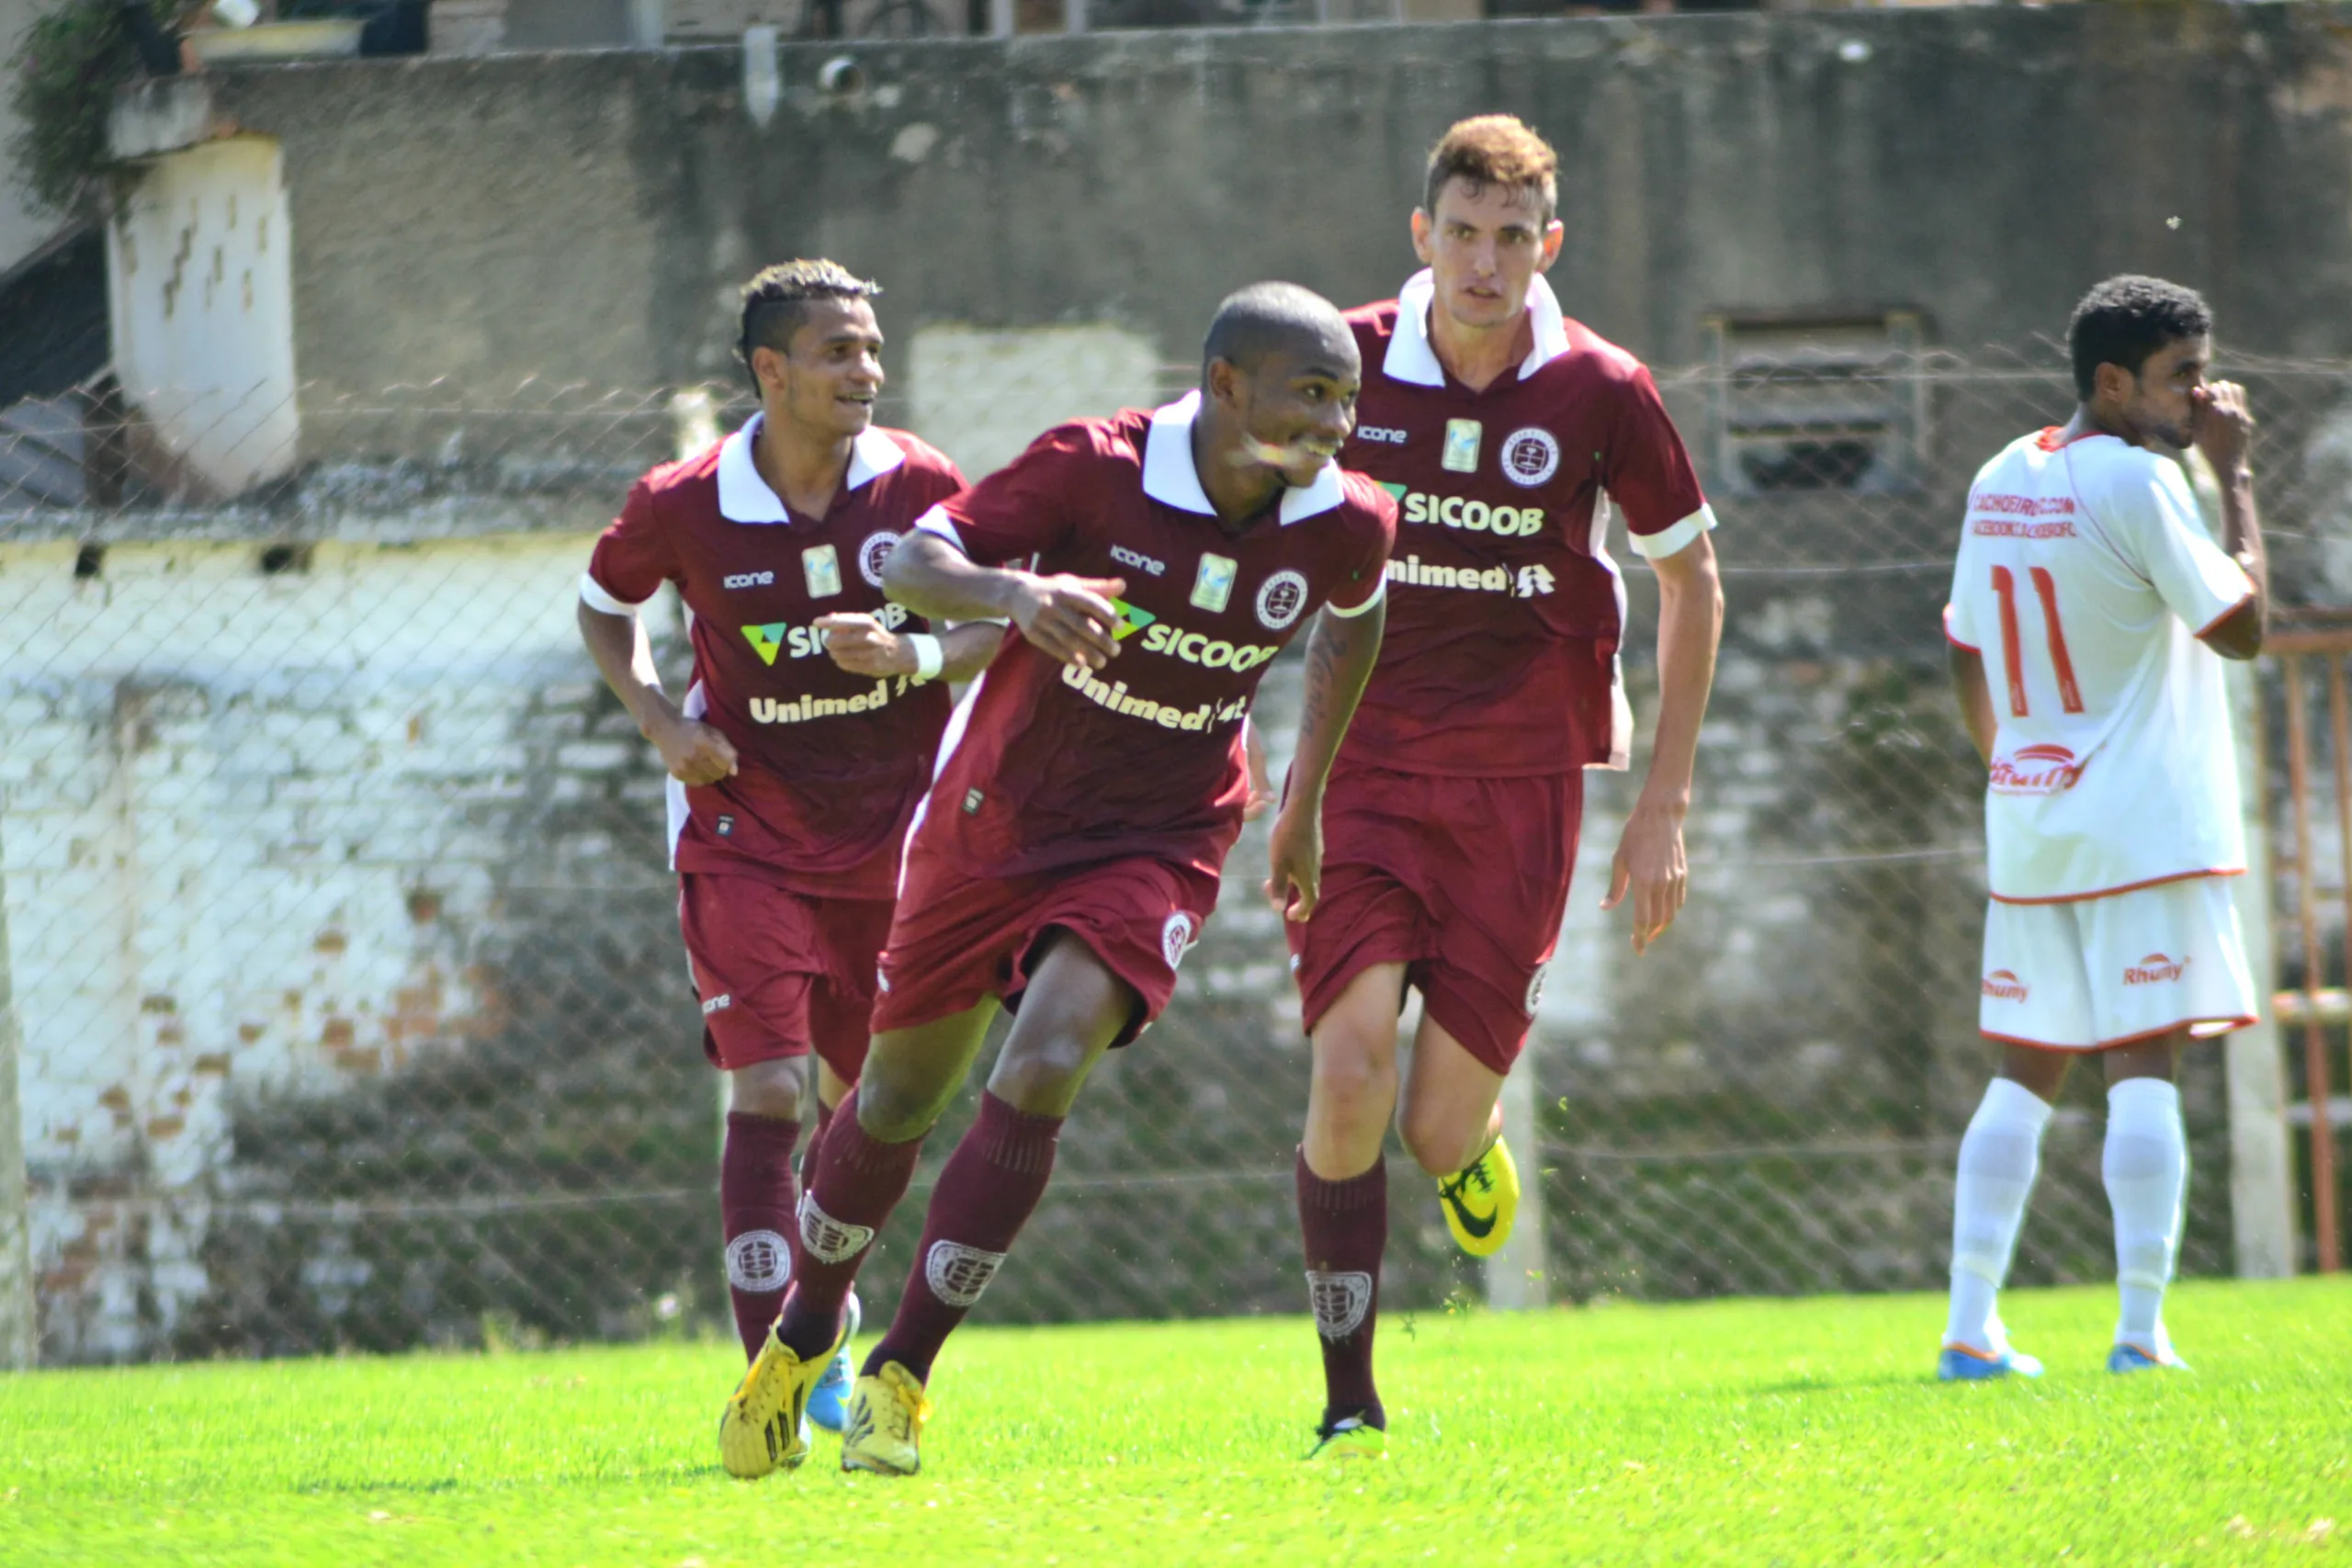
2090, 611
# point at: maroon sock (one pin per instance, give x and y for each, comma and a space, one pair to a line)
859, 1180
755, 1198
985, 1193
1345, 1224
816, 1142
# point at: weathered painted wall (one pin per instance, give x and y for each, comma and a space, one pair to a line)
584, 216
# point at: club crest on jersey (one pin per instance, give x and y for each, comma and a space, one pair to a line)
1531, 457
1461, 452
822, 567
1213, 585
1281, 598
957, 1274
874, 555
1175, 937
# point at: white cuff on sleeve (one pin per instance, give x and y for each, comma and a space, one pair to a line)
930, 657
936, 520
1379, 592
1674, 540
592, 595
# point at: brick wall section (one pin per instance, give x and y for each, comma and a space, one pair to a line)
261, 842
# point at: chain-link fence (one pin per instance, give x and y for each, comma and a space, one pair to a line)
352, 1007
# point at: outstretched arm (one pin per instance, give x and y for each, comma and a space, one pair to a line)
1069, 618
695, 753
1340, 656
1650, 864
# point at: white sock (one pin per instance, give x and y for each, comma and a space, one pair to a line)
1998, 1159
2146, 1167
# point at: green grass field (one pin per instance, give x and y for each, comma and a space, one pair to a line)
1747, 1432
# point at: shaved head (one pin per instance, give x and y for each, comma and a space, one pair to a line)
1274, 318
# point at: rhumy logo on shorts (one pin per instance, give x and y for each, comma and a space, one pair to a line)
2003, 986
2153, 970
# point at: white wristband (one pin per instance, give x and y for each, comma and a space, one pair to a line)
930, 657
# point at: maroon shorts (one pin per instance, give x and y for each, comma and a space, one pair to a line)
959, 939
1463, 881
780, 974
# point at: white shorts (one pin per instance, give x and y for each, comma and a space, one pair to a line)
2102, 971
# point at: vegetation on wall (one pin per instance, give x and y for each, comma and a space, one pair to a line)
63, 84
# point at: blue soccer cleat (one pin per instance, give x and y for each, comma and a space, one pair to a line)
829, 1401
1959, 1364
2131, 1358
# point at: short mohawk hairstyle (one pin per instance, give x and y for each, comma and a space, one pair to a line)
1494, 149
2126, 319
775, 302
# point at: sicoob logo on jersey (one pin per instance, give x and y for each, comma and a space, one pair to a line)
1531, 457
1280, 599
874, 555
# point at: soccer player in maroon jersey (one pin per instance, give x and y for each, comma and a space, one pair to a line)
1069, 852
1503, 429
808, 736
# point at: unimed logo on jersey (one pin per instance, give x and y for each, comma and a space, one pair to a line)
2046, 769
2153, 970
1527, 583
2003, 986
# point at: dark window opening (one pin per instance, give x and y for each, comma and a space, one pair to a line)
1827, 402
89, 560
278, 559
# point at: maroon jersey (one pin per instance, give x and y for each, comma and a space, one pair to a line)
1057, 765
832, 764
1500, 655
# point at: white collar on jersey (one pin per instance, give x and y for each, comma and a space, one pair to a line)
744, 497
1168, 475
1411, 357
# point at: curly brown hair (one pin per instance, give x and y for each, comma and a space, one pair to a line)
1494, 149
775, 302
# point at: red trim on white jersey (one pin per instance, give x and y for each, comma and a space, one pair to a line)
2199, 1028
2126, 887
2208, 627
1955, 641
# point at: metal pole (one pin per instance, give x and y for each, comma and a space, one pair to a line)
1515, 1275
2307, 914
2262, 1179
20, 1324
2319, 1090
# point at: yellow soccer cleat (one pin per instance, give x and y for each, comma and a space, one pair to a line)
1350, 1438
885, 1416
765, 1427
1481, 1199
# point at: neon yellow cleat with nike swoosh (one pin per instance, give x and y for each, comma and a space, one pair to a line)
1481, 1199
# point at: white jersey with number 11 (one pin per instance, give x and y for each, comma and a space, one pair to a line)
2085, 578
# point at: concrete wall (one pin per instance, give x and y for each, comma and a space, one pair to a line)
584, 216
199, 286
